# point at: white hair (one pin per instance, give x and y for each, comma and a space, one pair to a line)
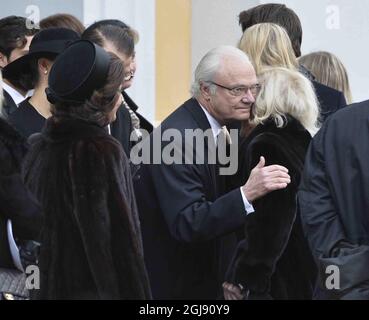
211, 63
286, 92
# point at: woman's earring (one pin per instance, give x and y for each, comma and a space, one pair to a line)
45, 72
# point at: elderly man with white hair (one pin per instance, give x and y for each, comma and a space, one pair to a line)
184, 207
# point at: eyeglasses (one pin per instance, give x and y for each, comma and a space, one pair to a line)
242, 90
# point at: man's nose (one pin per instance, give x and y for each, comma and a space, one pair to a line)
248, 97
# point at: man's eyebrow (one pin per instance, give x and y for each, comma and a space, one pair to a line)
242, 85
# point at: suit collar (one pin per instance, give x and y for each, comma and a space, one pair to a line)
198, 114
14, 94
129, 101
214, 124
9, 104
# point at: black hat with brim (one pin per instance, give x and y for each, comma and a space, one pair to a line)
46, 43
76, 73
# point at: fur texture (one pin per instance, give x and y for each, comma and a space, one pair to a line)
91, 241
273, 260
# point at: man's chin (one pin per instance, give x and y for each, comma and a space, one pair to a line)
243, 114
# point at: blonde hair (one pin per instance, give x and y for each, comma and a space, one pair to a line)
286, 92
268, 45
329, 70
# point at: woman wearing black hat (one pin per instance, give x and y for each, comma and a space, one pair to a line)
33, 70
91, 243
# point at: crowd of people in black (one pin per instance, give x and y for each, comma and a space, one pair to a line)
98, 223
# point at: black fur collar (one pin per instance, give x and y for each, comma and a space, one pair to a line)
292, 126
61, 129
293, 131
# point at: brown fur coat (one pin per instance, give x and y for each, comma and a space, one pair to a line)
91, 240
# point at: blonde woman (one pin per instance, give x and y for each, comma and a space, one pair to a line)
268, 45
273, 261
328, 69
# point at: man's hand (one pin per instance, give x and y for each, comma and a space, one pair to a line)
263, 180
232, 292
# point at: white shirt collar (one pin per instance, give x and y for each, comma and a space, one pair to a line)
214, 124
16, 96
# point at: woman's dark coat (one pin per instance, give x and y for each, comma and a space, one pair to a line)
16, 203
91, 242
273, 260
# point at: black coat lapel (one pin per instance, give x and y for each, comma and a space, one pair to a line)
144, 123
9, 104
200, 118
198, 114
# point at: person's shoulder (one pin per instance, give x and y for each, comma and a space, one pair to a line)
23, 111
358, 110
330, 98
323, 89
269, 133
270, 139
345, 125
263, 138
181, 117
122, 115
8, 103
266, 140
104, 145
100, 155
9, 134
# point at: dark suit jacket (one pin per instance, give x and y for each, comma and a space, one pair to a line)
144, 123
330, 99
121, 128
16, 202
8, 103
334, 202
183, 217
26, 119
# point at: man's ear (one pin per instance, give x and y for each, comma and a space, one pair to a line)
205, 91
3, 60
